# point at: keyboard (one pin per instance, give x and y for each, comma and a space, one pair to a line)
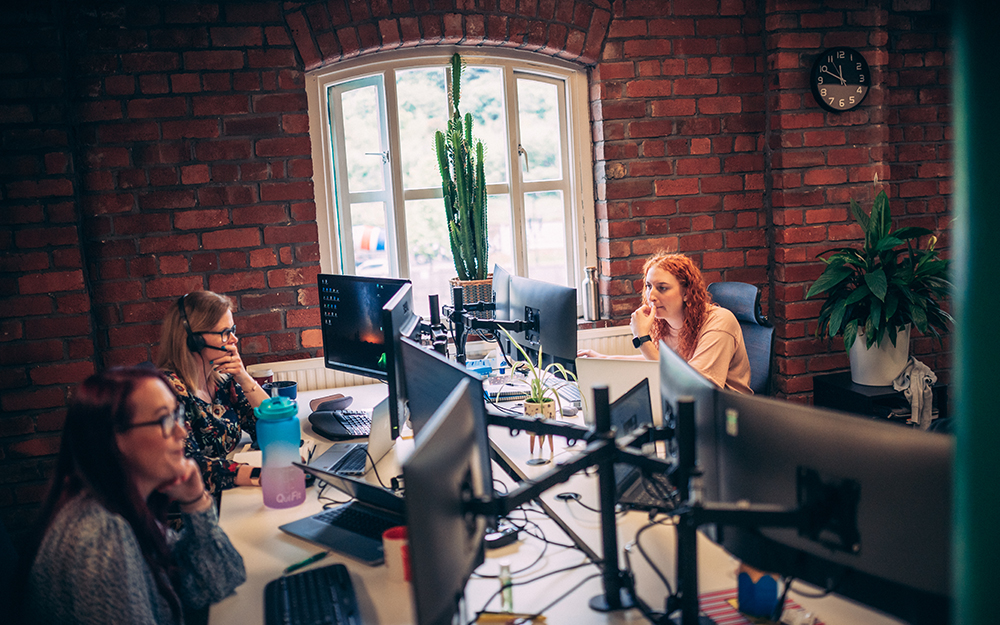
358, 520
357, 422
353, 462
323, 595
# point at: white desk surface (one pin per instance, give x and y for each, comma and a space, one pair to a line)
266, 550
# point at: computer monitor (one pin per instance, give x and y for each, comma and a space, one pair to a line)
351, 322
429, 378
442, 473
899, 560
551, 311
679, 379
501, 293
398, 321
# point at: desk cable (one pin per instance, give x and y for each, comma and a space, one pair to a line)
651, 615
533, 580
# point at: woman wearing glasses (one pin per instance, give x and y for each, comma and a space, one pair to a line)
103, 554
198, 354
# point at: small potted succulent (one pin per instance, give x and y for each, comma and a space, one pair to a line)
543, 399
878, 291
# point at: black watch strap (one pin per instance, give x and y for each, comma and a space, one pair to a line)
255, 476
637, 341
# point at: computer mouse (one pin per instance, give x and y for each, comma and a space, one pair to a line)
331, 403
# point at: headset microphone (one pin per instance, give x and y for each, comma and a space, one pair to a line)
195, 342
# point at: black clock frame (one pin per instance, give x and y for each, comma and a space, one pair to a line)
850, 76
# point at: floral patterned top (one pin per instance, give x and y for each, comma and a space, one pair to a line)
215, 429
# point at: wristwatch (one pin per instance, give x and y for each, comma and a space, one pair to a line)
639, 340
255, 476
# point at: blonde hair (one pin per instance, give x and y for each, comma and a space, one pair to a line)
203, 310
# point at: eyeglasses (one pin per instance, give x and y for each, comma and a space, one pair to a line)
225, 335
167, 422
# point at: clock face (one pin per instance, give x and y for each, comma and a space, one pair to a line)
840, 79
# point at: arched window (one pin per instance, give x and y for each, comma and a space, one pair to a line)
378, 189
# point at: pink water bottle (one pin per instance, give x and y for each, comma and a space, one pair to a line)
279, 433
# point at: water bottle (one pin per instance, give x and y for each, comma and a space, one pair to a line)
279, 433
591, 296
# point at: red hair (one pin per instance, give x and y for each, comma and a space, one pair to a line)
696, 300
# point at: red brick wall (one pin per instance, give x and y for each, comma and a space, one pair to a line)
150, 148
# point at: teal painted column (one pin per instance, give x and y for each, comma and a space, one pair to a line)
976, 254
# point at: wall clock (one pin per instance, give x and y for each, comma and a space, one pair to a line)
840, 79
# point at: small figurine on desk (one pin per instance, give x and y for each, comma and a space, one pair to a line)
543, 399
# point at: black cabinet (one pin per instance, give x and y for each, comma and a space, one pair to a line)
837, 391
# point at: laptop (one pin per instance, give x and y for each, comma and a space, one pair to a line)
628, 412
351, 458
619, 376
354, 528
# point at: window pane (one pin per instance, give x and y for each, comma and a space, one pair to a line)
482, 95
371, 258
538, 113
546, 236
423, 110
361, 135
499, 222
431, 263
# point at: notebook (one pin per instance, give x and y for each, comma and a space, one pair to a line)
354, 528
378, 445
628, 412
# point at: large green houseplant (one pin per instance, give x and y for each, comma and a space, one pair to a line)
463, 183
886, 285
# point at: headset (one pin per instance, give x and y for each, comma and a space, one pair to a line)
195, 342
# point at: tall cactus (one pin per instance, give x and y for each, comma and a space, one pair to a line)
463, 183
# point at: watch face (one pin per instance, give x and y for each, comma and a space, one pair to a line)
840, 79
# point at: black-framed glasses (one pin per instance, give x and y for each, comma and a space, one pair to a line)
225, 335
167, 422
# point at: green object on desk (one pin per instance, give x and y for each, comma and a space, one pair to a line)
306, 562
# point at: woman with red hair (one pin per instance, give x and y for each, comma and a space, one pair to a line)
678, 310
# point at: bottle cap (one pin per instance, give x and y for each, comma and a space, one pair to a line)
276, 408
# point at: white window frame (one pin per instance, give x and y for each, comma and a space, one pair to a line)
577, 157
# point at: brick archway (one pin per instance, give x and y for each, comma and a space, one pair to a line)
327, 32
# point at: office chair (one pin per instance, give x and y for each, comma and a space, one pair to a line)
743, 300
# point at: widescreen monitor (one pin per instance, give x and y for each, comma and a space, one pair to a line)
429, 378
501, 293
351, 322
551, 311
679, 379
398, 321
898, 561
442, 473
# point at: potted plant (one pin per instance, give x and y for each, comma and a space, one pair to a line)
543, 399
881, 290
463, 183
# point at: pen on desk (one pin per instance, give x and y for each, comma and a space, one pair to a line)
306, 562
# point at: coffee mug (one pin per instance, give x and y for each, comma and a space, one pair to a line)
396, 548
286, 388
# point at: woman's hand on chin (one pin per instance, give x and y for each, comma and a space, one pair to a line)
187, 486
642, 320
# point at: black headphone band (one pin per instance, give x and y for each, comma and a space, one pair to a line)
195, 342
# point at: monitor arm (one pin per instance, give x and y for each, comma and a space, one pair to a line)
462, 320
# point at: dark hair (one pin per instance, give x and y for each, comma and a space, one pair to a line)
89, 459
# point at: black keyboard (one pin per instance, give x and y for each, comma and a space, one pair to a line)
357, 422
323, 595
358, 520
353, 462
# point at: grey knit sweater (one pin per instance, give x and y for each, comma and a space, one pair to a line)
90, 569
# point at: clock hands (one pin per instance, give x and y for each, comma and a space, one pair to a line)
840, 77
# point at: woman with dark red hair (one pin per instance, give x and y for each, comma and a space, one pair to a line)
103, 554
678, 310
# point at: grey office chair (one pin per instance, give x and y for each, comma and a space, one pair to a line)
743, 300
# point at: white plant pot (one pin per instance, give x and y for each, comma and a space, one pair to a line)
881, 364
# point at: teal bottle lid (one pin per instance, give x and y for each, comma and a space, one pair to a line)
276, 408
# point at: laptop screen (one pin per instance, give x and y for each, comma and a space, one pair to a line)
628, 412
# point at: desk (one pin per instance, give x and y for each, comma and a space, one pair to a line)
266, 550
